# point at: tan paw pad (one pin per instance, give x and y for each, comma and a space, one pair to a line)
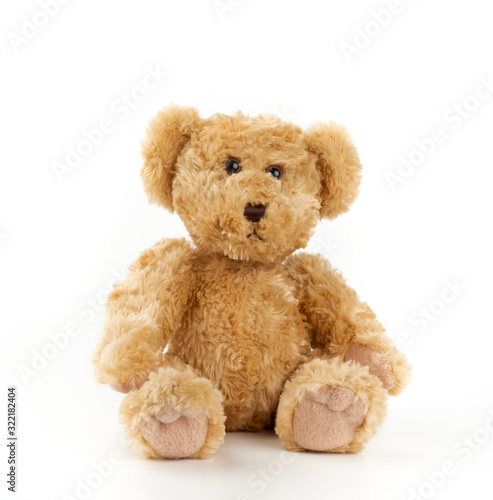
327, 419
173, 434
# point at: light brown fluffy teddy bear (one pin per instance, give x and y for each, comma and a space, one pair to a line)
257, 336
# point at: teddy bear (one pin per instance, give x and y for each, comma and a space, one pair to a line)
235, 330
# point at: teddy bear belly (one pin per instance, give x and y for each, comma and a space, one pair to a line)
249, 368
252, 384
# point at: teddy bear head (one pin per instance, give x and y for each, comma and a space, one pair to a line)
249, 188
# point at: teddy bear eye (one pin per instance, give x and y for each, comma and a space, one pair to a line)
232, 166
275, 172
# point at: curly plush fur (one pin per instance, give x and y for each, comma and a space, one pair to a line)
251, 328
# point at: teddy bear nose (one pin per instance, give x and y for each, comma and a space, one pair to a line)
254, 213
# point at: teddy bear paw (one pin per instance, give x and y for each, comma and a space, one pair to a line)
327, 419
377, 364
175, 434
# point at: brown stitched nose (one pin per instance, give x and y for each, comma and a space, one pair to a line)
254, 213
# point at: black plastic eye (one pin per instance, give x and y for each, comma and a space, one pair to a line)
232, 166
275, 172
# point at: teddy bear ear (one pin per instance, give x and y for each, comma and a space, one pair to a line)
338, 164
167, 134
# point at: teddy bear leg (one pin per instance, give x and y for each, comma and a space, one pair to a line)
330, 405
175, 414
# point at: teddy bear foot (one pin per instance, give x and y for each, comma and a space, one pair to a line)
330, 405
175, 414
174, 434
327, 419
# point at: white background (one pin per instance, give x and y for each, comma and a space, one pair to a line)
63, 240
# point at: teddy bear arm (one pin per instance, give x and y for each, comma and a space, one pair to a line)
143, 311
342, 325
